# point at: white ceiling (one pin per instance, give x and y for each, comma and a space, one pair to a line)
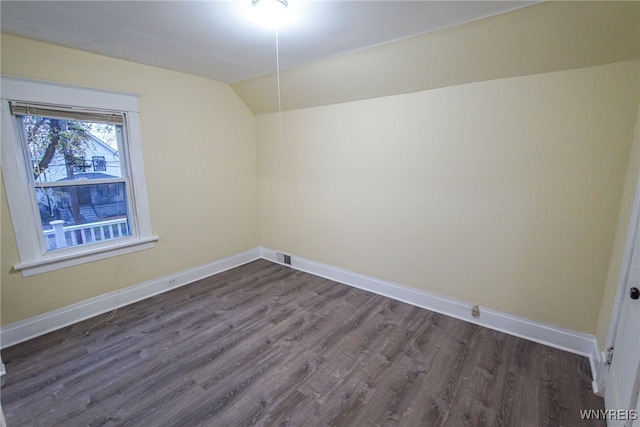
217, 40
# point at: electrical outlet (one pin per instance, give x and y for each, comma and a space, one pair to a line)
475, 311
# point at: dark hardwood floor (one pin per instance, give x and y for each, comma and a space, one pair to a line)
266, 345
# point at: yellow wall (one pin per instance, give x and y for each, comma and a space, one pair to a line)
200, 164
504, 193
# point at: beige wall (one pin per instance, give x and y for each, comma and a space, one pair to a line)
504, 193
200, 164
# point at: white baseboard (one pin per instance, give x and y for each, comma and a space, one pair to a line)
39, 325
550, 335
553, 336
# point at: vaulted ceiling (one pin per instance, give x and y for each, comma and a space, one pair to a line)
545, 37
221, 41
338, 51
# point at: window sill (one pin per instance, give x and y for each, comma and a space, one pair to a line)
52, 262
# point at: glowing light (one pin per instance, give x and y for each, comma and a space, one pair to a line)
271, 13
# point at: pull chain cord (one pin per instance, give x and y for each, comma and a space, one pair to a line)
107, 320
279, 102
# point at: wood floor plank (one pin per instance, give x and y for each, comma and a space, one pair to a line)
265, 345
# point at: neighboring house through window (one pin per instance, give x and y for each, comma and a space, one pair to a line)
73, 171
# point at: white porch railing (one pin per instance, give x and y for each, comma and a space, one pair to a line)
60, 236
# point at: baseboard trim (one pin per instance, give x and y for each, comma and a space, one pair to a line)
550, 335
553, 336
39, 325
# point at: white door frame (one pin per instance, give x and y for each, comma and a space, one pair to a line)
632, 235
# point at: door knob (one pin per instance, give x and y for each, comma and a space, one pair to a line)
634, 293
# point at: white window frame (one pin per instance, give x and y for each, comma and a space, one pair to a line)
24, 214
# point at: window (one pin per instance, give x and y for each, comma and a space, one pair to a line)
76, 206
73, 171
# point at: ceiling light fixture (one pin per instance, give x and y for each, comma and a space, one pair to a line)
271, 13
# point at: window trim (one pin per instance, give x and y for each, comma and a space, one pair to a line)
18, 190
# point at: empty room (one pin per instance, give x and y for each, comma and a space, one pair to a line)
309, 213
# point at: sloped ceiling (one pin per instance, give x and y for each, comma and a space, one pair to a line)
545, 37
221, 40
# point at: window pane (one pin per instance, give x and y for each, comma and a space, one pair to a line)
67, 150
81, 214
